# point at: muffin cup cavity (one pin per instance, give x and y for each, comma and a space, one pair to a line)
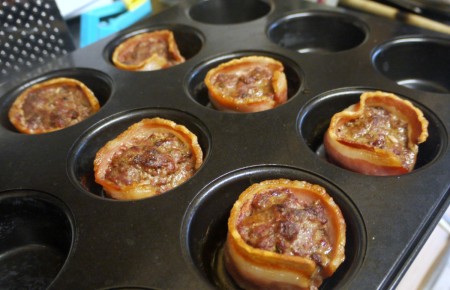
205, 224
98, 82
228, 11
189, 40
198, 91
81, 160
418, 63
35, 239
318, 31
315, 117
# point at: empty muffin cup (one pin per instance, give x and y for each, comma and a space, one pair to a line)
318, 31
228, 11
419, 63
35, 239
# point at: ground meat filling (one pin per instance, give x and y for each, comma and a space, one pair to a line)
139, 51
255, 83
55, 107
277, 221
376, 127
161, 160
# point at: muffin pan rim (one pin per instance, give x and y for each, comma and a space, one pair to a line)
209, 50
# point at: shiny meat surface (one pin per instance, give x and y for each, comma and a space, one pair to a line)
251, 83
277, 221
161, 160
139, 51
57, 106
381, 129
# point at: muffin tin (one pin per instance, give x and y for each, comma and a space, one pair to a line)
58, 230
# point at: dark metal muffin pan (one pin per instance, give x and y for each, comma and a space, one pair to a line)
59, 231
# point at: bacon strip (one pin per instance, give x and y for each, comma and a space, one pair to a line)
248, 84
148, 51
52, 105
257, 267
149, 158
387, 155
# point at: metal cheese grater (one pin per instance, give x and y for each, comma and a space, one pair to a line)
31, 33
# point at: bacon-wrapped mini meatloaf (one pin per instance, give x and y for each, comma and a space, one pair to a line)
149, 158
284, 234
247, 84
148, 51
52, 105
377, 136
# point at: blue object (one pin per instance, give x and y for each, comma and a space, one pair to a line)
101, 22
